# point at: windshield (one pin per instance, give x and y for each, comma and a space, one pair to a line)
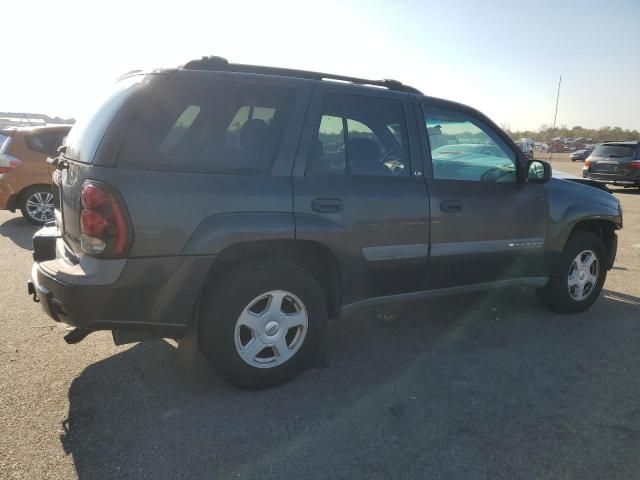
614, 151
85, 136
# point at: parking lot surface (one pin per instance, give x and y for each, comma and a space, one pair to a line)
488, 385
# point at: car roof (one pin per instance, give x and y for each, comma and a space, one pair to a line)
220, 64
36, 128
625, 142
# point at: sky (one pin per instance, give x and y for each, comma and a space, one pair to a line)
501, 57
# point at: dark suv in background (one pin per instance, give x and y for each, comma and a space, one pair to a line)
251, 204
615, 163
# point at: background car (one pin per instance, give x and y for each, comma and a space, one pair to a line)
25, 175
615, 163
580, 154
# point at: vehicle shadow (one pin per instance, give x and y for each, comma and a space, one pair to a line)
19, 231
439, 388
632, 190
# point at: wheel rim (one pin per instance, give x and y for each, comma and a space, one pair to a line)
271, 329
40, 206
583, 275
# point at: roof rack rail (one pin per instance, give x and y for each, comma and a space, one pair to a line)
221, 64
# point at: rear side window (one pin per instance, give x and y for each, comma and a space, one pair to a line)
46, 142
213, 126
614, 151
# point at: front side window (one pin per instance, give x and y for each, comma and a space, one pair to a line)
216, 127
361, 136
463, 148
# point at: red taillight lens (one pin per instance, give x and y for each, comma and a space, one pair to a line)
103, 221
587, 163
8, 163
92, 196
92, 223
634, 165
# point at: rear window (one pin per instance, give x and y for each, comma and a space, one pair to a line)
86, 135
46, 142
214, 126
5, 141
614, 151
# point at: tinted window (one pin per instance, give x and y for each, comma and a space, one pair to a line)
463, 148
46, 142
85, 136
224, 127
374, 142
614, 151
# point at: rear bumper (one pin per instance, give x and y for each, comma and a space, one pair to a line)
157, 296
613, 179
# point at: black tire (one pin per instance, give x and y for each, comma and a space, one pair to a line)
224, 301
26, 194
556, 295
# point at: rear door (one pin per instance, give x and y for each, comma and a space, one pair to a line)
356, 192
81, 146
486, 225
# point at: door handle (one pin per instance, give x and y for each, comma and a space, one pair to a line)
451, 206
327, 205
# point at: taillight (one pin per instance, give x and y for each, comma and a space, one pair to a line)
587, 163
103, 222
634, 165
8, 163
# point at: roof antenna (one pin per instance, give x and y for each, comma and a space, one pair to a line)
553, 135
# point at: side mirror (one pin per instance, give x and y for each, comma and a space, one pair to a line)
538, 171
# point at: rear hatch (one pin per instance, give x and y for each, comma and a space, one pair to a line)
79, 158
612, 158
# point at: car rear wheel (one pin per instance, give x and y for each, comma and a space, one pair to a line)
261, 325
579, 276
36, 204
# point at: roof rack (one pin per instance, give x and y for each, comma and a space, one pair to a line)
222, 65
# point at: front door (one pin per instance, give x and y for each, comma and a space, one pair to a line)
487, 224
356, 193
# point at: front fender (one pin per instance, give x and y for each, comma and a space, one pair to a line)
217, 232
571, 203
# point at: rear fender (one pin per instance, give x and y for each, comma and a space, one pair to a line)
217, 232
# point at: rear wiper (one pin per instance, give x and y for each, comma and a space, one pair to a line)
613, 155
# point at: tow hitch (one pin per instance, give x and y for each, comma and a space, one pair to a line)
76, 335
31, 289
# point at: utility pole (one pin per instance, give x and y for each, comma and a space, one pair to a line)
553, 135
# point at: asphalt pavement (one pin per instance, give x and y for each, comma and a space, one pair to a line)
488, 385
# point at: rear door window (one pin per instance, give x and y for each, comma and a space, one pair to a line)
213, 126
361, 136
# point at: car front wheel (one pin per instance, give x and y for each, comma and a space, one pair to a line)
579, 275
262, 324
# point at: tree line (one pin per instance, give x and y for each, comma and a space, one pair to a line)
545, 133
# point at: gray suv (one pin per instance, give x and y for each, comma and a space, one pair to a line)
615, 163
250, 204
